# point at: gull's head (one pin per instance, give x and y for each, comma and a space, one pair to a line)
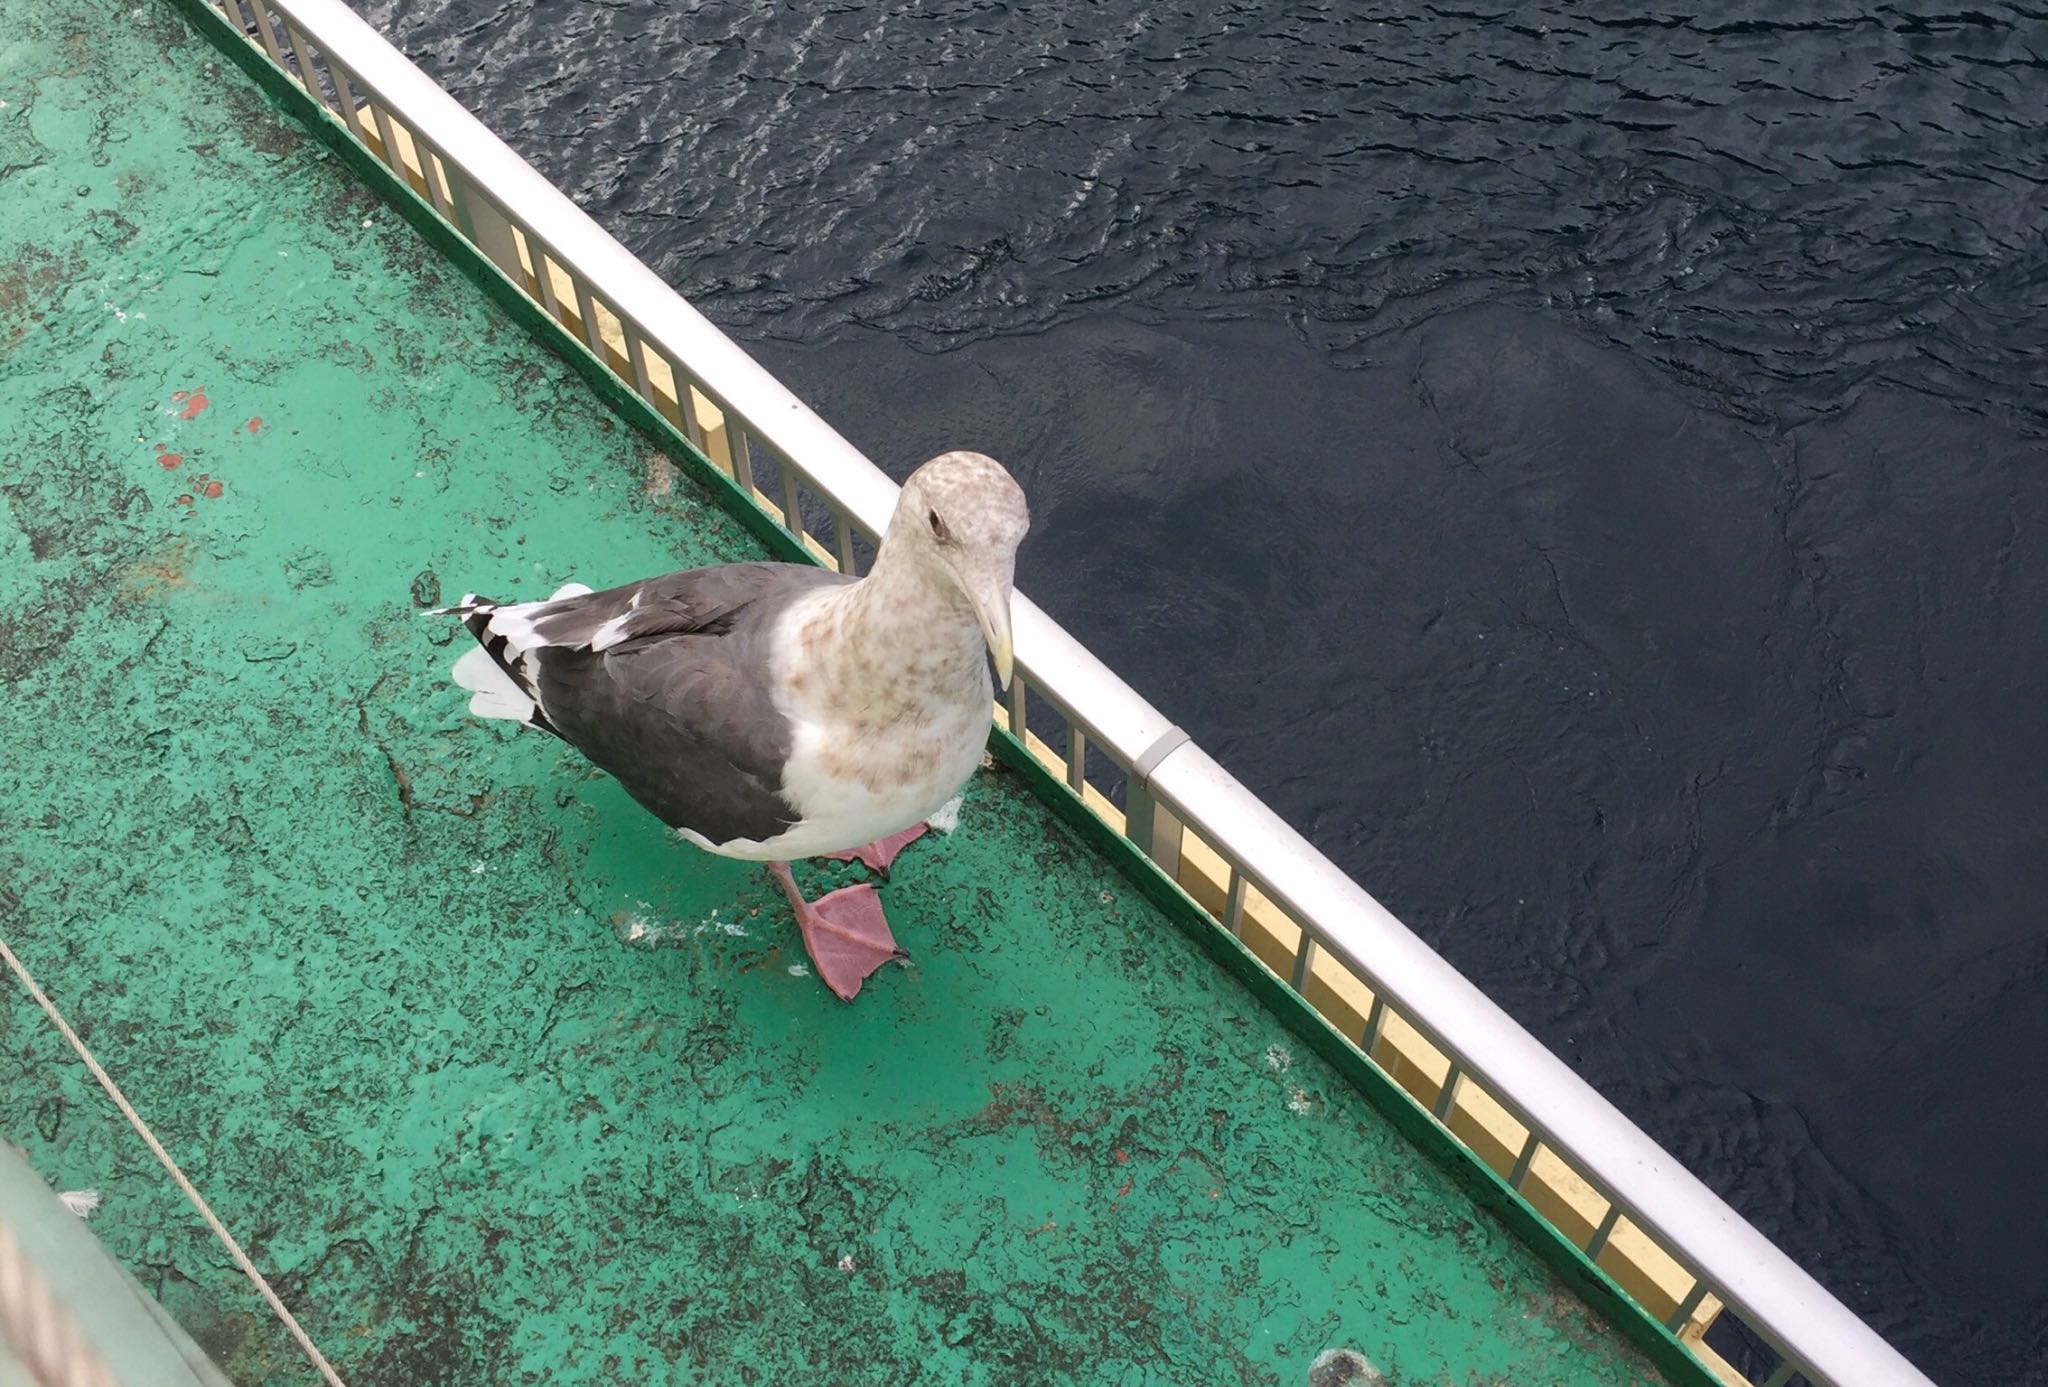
961, 516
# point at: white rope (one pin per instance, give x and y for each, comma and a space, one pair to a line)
36, 1329
220, 1231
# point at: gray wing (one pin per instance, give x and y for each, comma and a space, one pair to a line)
695, 601
666, 685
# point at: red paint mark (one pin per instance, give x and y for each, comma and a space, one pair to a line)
184, 500
254, 424
211, 491
1126, 1189
194, 403
1122, 1155
167, 461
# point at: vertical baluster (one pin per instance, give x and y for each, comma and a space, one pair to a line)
1077, 757
309, 76
1154, 828
847, 564
1304, 960
1520, 1173
1448, 1096
792, 499
480, 220
544, 279
1603, 1232
1685, 1308
349, 91
593, 335
693, 423
643, 384
739, 444
1375, 1023
386, 136
686, 416
266, 33
434, 172
1233, 909
1019, 707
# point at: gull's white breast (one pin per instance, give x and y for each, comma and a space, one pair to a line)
855, 775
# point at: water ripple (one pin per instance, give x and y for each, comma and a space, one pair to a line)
1779, 207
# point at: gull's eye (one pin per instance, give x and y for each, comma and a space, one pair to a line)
939, 531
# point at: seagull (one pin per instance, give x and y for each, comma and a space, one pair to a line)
772, 711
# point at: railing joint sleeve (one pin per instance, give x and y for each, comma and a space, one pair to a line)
1163, 746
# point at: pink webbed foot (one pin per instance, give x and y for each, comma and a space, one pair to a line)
880, 853
845, 933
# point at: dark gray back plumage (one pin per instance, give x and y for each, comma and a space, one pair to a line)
678, 705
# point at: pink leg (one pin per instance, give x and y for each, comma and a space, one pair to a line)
844, 932
880, 853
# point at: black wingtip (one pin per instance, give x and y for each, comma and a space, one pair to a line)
476, 613
476, 616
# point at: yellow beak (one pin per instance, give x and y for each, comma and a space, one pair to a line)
993, 607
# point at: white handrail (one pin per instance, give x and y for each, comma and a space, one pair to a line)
1817, 1334
1656, 1191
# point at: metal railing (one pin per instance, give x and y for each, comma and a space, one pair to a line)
1585, 1168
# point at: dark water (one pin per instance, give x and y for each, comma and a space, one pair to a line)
1586, 465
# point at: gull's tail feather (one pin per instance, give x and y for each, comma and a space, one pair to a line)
498, 673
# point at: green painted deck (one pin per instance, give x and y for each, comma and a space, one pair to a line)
502, 1083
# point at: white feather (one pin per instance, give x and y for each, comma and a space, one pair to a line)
79, 1202
611, 633
515, 624
515, 621
495, 693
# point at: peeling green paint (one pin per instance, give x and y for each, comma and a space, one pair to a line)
501, 1082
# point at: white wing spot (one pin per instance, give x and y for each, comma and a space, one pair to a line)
609, 634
